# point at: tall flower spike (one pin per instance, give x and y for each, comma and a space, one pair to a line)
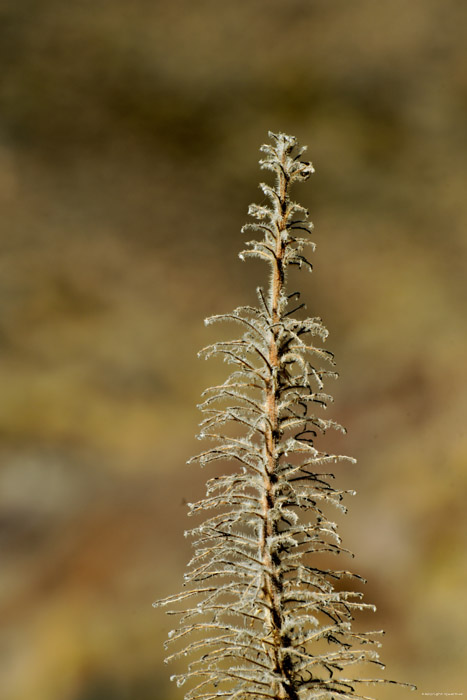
260, 614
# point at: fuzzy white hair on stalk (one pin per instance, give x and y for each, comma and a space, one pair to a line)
263, 614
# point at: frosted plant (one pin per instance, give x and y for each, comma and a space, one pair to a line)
262, 616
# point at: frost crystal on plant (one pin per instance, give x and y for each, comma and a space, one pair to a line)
261, 617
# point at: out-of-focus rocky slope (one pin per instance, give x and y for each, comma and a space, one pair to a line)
128, 156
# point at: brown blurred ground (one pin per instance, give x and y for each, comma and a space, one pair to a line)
128, 156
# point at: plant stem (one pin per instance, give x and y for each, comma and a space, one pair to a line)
272, 584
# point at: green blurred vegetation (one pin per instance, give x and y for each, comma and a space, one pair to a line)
128, 156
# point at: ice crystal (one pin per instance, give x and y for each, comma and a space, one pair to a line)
260, 615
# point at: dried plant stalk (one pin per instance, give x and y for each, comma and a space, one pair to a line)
262, 616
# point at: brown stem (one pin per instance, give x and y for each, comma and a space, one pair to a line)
272, 582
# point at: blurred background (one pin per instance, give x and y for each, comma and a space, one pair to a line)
129, 136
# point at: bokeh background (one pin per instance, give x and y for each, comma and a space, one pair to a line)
129, 135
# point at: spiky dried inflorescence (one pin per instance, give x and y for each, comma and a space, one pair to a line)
263, 614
